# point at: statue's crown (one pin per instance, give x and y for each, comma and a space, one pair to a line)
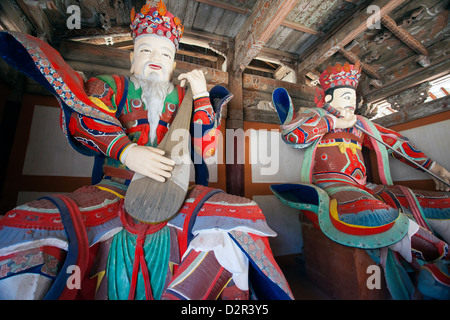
155, 19
340, 75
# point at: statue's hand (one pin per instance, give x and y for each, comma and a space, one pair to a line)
444, 174
346, 120
149, 162
196, 80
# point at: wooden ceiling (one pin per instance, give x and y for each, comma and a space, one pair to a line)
284, 40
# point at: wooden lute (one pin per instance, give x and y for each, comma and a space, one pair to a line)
151, 201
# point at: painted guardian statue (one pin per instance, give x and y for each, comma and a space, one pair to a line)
408, 224
216, 247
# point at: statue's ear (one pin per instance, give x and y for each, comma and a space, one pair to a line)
328, 98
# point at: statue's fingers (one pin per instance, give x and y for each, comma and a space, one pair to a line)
163, 173
158, 151
164, 167
154, 176
165, 160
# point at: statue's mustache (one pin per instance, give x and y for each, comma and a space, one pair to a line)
150, 63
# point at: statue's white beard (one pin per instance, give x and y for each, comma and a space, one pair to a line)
154, 92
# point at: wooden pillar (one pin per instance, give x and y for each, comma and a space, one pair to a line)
258, 28
235, 173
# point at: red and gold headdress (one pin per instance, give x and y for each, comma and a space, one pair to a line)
155, 19
346, 75
338, 76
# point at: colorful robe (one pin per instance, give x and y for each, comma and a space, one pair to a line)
214, 247
336, 197
335, 163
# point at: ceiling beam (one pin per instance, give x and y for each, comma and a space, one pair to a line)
204, 36
404, 36
438, 69
79, 51
13, 18
92, 33
38, 18
245, 11
277, 56
198, 55
226, 6
415, 112
257, 30
302, 28
266, 70
345, 35
353, 58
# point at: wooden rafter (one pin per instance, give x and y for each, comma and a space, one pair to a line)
38, 19
432, 72
13, 18
345, 35
415, 112
278, 56
302, 28
353, 58
404, 36
226, 6
198, 55
205, 36
74, 50
289, 24
258, 28
267, 70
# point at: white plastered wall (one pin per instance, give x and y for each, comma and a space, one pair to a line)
432, 139
273, 161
